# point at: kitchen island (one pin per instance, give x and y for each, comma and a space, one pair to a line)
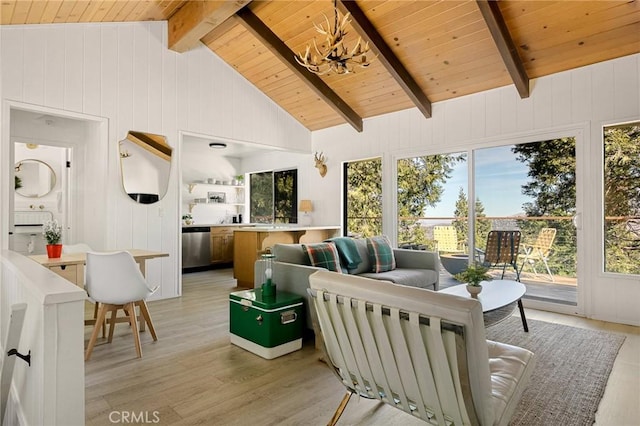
251, 242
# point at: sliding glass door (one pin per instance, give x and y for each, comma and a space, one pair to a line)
531, 188
528, 187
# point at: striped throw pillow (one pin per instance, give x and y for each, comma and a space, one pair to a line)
381, 254
323, 255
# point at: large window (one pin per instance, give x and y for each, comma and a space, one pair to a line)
363, 197
273, 196
430, 192
622, 198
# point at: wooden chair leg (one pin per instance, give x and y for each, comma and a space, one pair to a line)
144, 313
96, 329
95, 316
340, 410
112, 322
130, 308
141, 320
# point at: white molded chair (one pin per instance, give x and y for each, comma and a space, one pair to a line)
84, 248
114, 281
420, 351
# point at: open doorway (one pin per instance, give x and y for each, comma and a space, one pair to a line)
53, 163
41, 193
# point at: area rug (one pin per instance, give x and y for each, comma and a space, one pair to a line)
572, 369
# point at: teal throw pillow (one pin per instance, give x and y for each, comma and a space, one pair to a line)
323, 255
381, 254
348, 252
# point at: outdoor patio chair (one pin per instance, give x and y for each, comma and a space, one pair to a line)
446, 238
539, 251
420, 351
501, 251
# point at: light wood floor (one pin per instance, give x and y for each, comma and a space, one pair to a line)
192, 375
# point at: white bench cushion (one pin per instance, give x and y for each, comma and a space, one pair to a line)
510, 367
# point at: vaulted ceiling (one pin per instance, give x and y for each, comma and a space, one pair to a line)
427, 51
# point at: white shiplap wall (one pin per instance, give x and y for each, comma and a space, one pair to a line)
577, 102
49, 390
124, 73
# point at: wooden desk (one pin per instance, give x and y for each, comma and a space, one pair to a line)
71, 265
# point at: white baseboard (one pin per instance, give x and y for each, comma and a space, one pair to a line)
267, 353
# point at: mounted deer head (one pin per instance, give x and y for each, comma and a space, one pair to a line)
320, 163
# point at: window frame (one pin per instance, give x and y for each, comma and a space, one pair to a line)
275, 217
345, 192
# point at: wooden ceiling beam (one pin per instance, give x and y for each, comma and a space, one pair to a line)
498, 28
196, 19
276, 46
363, 25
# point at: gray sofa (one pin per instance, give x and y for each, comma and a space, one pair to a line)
291, 269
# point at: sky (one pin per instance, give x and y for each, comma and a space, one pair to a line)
499, 180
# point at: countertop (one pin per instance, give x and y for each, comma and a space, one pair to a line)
284, 228
261, 227
199, 225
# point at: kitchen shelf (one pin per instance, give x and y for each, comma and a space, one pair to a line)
192, 205
193, 185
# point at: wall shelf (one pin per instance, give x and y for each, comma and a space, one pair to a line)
239, 194
192, 205
193, 185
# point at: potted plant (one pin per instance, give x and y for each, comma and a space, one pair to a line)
52, 231
188, 220
473, 276
239, 180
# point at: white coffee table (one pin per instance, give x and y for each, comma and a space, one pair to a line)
495, 295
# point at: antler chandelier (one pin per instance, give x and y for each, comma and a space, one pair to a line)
335, 56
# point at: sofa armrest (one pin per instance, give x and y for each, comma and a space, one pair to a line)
418, 259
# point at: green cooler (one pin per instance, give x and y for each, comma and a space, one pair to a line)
269, 327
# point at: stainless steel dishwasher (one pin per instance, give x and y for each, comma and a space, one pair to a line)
196, 247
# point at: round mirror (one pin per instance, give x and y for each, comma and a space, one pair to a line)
34, 178
145, 161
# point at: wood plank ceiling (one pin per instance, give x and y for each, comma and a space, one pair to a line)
428, 51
